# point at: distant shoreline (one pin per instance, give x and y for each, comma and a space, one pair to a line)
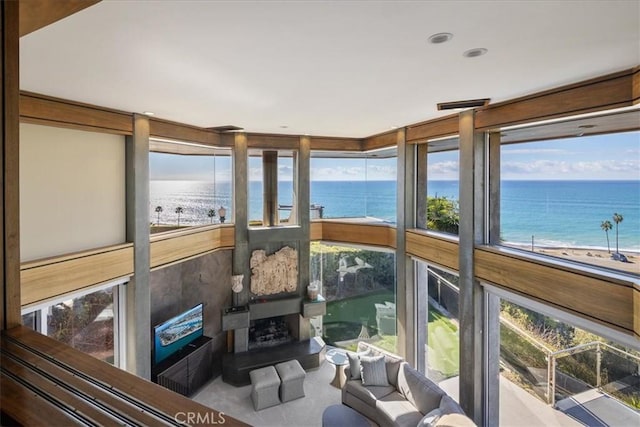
527, 246
589, 255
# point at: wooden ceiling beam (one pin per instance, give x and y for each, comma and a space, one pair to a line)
35, 14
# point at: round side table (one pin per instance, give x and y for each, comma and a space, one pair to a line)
338, 358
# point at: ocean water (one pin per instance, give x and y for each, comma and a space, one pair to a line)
555, 213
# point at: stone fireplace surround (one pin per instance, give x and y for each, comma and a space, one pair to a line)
308, 351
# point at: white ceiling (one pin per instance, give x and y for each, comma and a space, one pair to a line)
334, 68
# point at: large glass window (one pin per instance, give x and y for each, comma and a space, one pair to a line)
88, 322
278, 194
360, 288
442, 211
545, 360
190, 190
256, 188
354, 185
574, 198
440, 330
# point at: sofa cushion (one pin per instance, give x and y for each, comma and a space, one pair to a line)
369, 395
373, 371
393, 360
455, 420
393, 366
423, 393
395, 410
450, 406
430, 419
354, 363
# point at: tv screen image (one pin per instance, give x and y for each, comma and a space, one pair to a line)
174, 334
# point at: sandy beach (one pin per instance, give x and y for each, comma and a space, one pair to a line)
595, 257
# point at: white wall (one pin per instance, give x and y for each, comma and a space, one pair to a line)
72, 191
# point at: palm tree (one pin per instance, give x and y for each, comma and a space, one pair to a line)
617, 218
179, 210
606, 226
158, 211
211, 214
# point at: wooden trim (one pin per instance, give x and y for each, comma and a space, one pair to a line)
35, 14
315, 230
601, 299
181, 132
327, 143
437, 128
50, 388
49, 111
273, 141
383, 140
614, 122
10, 160
25, 409
176, 246
353, 232
143, 392
602, 93
393, 237
439, 250
635, 89
636, 310
57, 276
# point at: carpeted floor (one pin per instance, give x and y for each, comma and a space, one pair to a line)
236, 401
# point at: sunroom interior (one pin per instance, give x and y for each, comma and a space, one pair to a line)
117, 220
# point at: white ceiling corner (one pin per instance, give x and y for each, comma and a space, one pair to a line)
332, 68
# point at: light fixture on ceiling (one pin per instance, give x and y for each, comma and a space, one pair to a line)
475, 52
439, 38
149, 113
468, 103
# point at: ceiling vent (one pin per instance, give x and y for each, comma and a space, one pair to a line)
469, 103
226, 128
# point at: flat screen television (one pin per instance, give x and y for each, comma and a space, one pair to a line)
173, 335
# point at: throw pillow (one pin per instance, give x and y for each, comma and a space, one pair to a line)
430, 419
373, 371
354, 363
393, 367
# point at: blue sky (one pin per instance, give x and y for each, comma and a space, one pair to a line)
601, 157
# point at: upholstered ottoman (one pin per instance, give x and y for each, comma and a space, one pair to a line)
292, 376
265, 383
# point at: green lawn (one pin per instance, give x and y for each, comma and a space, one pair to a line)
443, 348
357, 309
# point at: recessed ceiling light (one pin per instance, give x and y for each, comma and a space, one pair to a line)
392, 127
586, 126
440, 38
472, 53
148, 113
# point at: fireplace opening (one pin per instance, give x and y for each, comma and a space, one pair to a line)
269, 332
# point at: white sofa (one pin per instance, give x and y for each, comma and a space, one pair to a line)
409, 399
